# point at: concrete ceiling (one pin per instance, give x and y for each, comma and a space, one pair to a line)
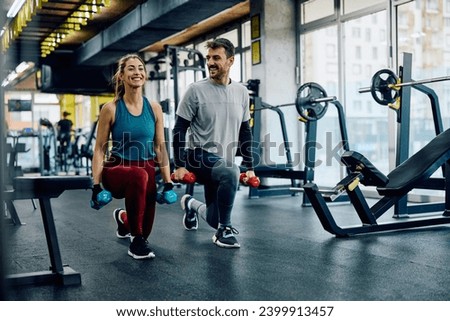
125, 26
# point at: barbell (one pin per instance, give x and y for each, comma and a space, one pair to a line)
311, 102
385, 86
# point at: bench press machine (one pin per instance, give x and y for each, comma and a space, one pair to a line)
413, 173
44, 188
394, 91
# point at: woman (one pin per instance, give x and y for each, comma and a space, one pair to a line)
138, 145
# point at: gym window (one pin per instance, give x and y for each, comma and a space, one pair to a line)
390, 28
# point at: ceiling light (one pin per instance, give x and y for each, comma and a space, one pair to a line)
12, 76
19, 71
5, 83
24, 66
15, 8
79, 17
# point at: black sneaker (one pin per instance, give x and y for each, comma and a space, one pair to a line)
224, 237
139, 249
122, 232
190, 219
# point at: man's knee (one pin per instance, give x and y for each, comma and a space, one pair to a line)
226, 171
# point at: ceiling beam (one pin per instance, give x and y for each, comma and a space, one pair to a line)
146, 24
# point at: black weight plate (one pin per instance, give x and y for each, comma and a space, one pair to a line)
305, 103
381, 89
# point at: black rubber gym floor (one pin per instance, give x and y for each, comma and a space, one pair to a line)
285, 255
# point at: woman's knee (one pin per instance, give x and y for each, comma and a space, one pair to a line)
137, 177
132, 178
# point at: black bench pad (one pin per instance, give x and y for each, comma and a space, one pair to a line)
418, 167
356, 162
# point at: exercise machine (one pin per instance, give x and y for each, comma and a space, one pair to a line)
170, 72
47, 147
285, 170
87, 149
413, 173
76, 155
394, 91
14, 148
311, 104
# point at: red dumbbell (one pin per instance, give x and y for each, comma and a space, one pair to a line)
188, 178
252, 181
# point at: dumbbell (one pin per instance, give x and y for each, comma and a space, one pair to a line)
252, 181
188, 178
103, 198
167, 196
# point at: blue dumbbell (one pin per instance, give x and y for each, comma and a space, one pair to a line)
168, 197
103, 198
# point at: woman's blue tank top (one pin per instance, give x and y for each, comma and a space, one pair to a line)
133, 135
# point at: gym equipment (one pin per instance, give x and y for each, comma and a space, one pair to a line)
47, 147
402, 107
188, 178
252, 181
167, 196
13, 149
76, 155
312, 101
63, 151
87, 149
413, 173
169, 74
44, 188
285, 170
309, 97
13, 169
385, 86
169, 65
103, 198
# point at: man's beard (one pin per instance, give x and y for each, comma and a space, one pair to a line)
217, 75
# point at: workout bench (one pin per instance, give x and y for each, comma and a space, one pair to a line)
44, 188
415, 172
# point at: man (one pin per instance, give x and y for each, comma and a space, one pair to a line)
64, 129
216, 110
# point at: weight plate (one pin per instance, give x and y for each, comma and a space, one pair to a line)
305, 103
381, 89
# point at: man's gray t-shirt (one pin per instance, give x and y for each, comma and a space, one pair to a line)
216, 113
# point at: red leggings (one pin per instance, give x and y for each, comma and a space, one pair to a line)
134, 181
